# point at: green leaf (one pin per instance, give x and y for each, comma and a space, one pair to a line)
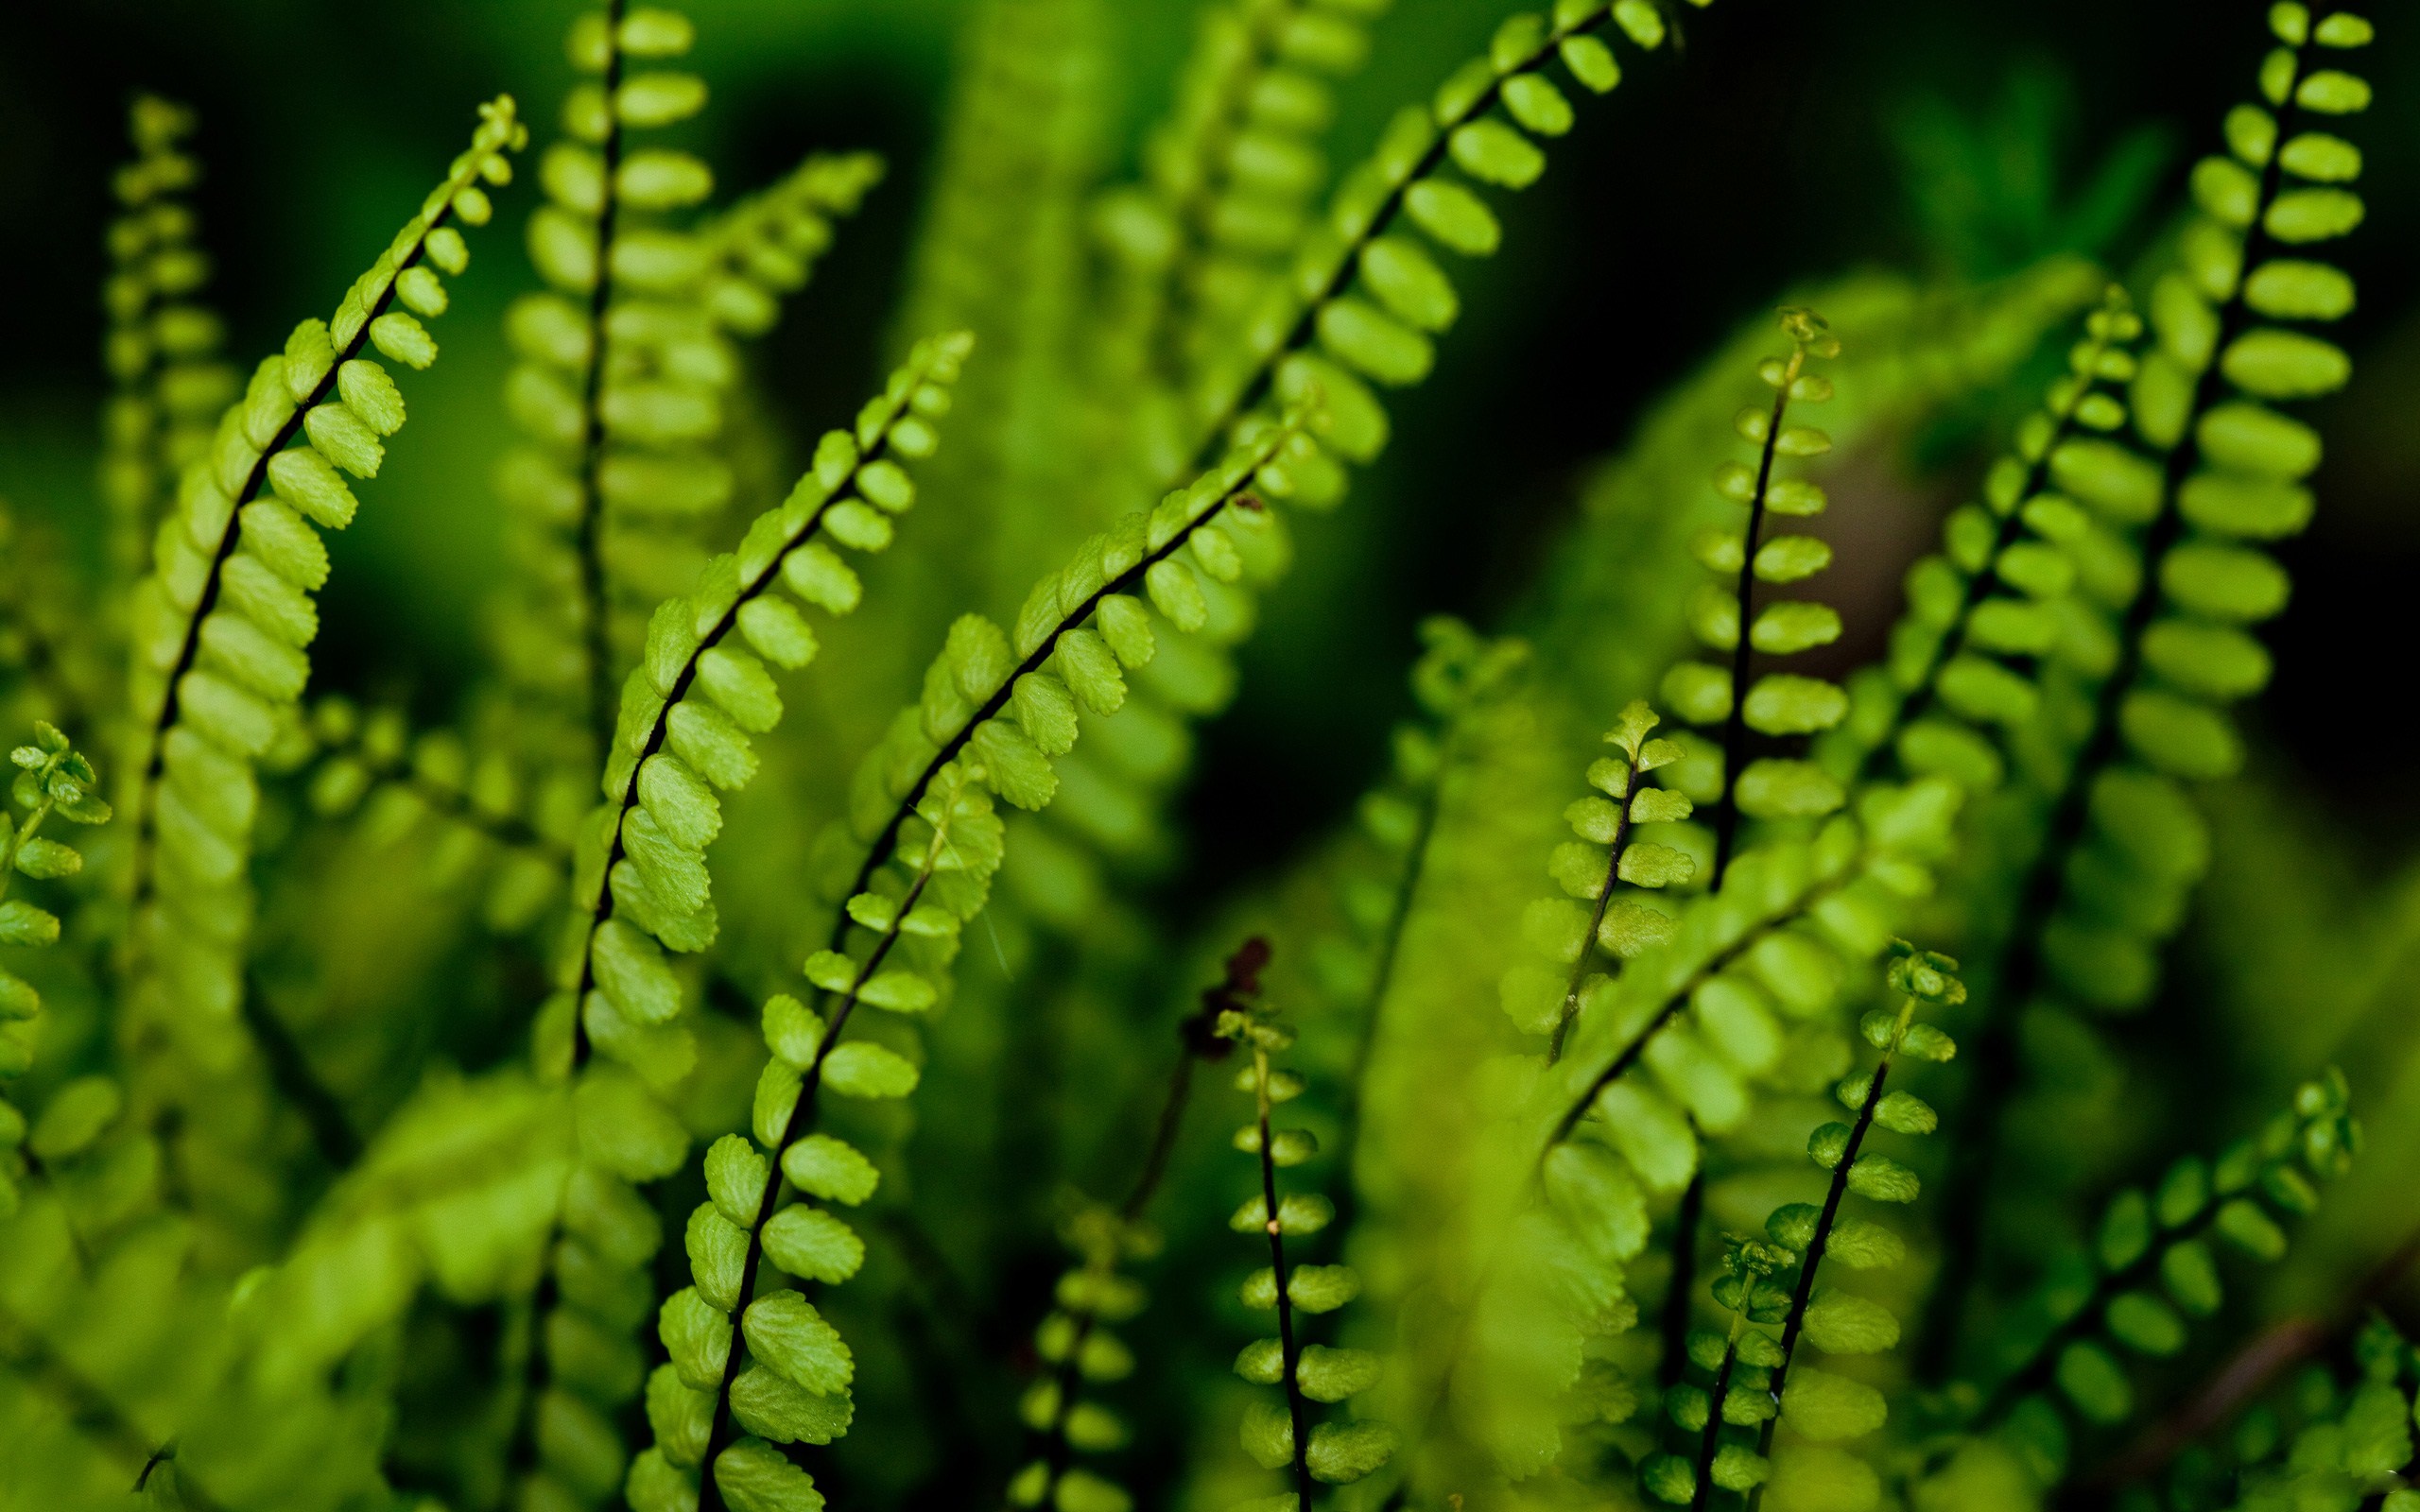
697, 1338
1408, 283
755, 1477
1454, 216
861, 1069
787, 1334
1838, 1323
1373, 343
813, 1245
1333, 1375
2095, 1382
736, 1172
773, 1407
1268, 1433
1493, 152
1827, 1408
1341, 1453
821, 1166
2274, 364
1322, 1288
2190, 1275
718, 1248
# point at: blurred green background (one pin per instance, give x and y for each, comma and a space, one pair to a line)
1781, 142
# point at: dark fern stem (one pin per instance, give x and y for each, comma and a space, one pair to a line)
1296, 1411
1804, 1293
657, 732
1125, 582
1673, 1003
155, 763
1975, 1156
590, 531
1702, 1492
1735, 725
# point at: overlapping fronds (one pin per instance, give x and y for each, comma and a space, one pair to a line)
619, 1026
625, 367
2108, 839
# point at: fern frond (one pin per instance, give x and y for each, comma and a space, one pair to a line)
168, 382
640, 882
220, 623
2057, 1371
1779, 704
1073, 1338
2121, 840
624, 364
991, 721
1385, 336
1277, 1435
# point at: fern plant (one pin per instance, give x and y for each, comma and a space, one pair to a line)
807, 868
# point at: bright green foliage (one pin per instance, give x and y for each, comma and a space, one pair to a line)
2150, 1268
52, 778
626, 366
288, 1221
933, 845
1359, 299
1281, 1434
1741, 1363
168, 380
1729, 619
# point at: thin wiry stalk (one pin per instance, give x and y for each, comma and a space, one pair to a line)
603, 909
1296, 1411
802, 1119
1711, 1440
1676, 1000
588, 533
1735, 725
1974, 1157
1804, 1294
1124, 583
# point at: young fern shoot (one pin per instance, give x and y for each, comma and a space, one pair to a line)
1280, 1434
1818, 1406
1738, 1361
1594, 916
1777, 704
